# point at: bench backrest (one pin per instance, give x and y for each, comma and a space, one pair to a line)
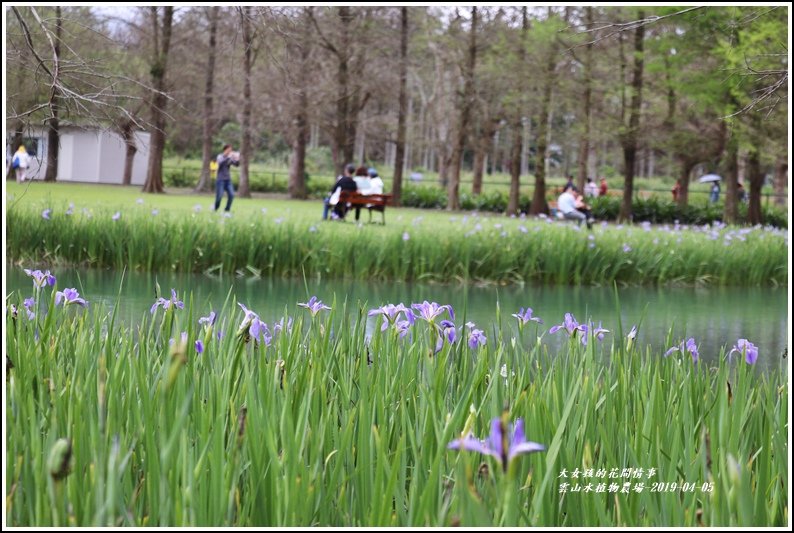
381, 199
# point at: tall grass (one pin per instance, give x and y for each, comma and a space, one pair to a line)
450, 249
337, 423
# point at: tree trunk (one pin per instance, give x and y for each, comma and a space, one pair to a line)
683, 183
128, 134
781, 180
518, 124
453, 185
297, 171
206, 145
756, 178
481, 148
162, 44
53, 137
399, 160
539, 205
584, 143
515, 166
342, 149
245, 148
630, 137
730, 213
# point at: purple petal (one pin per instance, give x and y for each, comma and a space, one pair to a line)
199, 347
471, 444
495, 438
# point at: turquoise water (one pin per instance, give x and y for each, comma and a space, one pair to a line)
715, 317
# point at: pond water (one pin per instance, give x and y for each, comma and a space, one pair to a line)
714, 316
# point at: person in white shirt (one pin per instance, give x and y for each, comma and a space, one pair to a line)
375, 184
372, 184
590, 188
566, 203
21, 162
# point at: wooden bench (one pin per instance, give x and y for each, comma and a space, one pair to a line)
373, 202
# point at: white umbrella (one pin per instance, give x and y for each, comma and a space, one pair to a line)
708, 178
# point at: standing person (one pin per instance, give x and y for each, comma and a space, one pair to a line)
343, 183
676, 190
224, 180
570, 184
715, 192
20, 163
741, 192
602, 190
590, 188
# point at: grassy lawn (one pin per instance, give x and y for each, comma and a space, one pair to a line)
116, 197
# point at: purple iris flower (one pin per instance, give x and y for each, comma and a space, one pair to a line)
116, 215
688, 346
598, 332
503, 444
633, 333
391, 313
68, 297
429, 311
402, 327
46, 214
406, 236
314, 305
70, 211
40, 278
750, 350
29, 304
525, 316
446, 330
166, 304
281, 325
476, 337
208, 320
14, 311
570, 325
254, 327
199, 347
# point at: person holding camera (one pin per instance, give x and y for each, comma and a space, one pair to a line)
224, 180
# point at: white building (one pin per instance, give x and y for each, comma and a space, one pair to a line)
87, 155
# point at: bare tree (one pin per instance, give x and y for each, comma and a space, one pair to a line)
297, 172
518, 123
629, 135
399, 159
53, 139
539, 205
249, 56
584, 142
467, 103
208, 120
159, 98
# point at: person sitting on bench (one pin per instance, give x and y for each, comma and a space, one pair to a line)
372, 185
567, 204
344, 183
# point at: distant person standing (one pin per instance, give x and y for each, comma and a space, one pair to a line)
676, 190
590, 188
741, 192
224, 180
570, 184
602, 189
20, 163
714, 196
